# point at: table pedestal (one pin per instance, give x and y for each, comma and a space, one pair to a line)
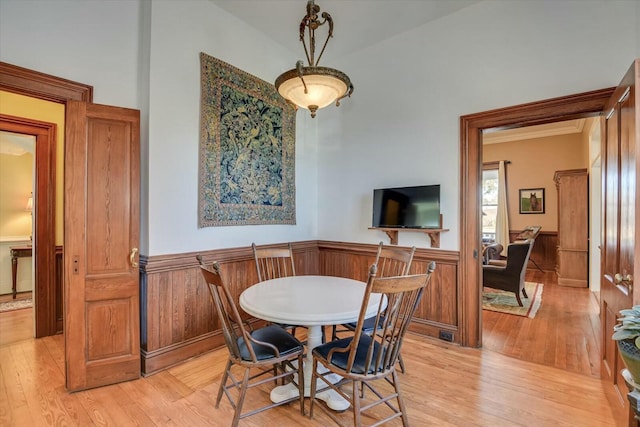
330, 397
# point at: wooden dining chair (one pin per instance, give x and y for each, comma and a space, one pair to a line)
363, 359
274, 263
390, 261
266, 349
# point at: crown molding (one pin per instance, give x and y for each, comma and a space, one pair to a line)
537, 131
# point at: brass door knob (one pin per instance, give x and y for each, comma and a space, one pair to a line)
132, 258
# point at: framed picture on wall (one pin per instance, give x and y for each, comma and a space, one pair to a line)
532, 200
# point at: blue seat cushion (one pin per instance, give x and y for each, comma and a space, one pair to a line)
367, 327
340, 359
281, 339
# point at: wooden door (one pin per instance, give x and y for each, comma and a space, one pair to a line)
620, 238
102, 319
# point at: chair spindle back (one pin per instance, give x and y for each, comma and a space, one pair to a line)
232, 326
272, 263
393, 261
403, 294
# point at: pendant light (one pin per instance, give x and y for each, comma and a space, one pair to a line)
312, 87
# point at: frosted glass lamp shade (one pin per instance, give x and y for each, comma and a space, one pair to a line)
321, 87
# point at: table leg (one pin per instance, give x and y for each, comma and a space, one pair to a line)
331, 398
14, 274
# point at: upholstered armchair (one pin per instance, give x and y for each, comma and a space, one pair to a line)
491, 252
510, 276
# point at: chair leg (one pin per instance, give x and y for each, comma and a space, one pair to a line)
396, 387
243, 394
518, 299
401, 362
223, 383
356, 385
275, 373
301, 382
312, 393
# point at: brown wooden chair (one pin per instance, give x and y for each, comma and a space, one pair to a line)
268, 349
363, 358
390, 261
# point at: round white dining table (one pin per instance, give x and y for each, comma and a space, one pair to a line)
311, 301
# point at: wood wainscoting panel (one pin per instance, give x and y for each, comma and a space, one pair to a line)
438, 311
179, 322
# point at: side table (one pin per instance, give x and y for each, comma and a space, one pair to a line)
17, 252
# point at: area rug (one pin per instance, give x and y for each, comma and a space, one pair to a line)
505, 302
15, 305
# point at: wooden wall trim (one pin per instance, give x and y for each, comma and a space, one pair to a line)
367, 248
169, 262
42, 86
158, 360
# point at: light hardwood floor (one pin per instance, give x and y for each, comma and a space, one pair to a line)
565, 332
445, 385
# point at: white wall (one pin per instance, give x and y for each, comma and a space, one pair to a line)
179, 32
401, 126
91, 41
145, 55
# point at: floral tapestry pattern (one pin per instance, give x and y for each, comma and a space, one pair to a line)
247, 149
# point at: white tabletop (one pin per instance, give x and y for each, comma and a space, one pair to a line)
307, 300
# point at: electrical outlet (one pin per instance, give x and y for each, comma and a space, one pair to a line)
446, 336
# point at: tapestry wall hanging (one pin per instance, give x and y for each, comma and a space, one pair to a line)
247, 149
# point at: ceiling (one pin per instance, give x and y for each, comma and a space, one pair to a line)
362, 23
16, 144
357, 23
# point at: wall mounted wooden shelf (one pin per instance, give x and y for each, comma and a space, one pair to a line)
433, 233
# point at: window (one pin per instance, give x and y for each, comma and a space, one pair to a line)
489, 204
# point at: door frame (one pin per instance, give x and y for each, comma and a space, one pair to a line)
587, 104
44, 245
23, 81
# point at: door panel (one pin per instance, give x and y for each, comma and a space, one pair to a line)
619, 234
102, 322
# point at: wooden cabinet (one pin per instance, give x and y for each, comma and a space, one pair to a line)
573, 227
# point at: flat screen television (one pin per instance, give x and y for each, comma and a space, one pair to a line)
407, 207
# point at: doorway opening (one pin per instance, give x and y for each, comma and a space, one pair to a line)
47, 256
589, 104
17, 177
547, 157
